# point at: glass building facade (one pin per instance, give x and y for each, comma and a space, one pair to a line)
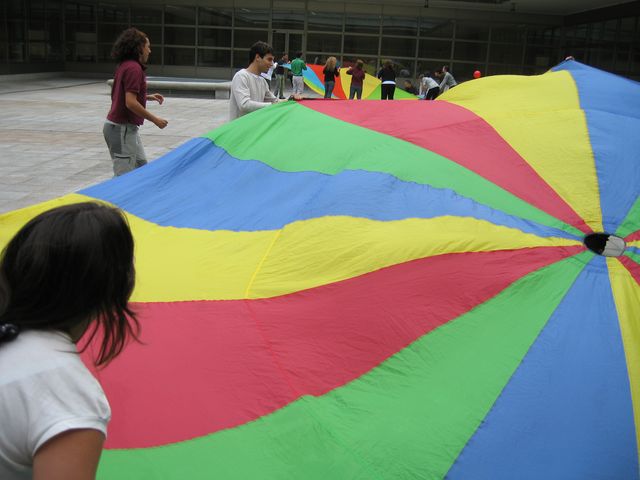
211, 38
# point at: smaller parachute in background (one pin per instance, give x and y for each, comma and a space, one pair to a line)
314, 79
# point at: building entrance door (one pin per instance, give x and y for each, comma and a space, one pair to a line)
286, 42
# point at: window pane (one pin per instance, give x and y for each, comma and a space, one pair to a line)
214, 58
213, 37
109, 33
610, 29
146, 14
246, 38
635, 60
104, 52
179, 56
605, 57
472, 31
534, 70
17, 52
81, 52
180, 15
36, 11
324, 21
427, 66
54, 9
359, 44
399, 47
16, 31
627, 29
240, 58
580, 32
246, 17
400, 26
179, 36
16, 10
464, 71
55, 53
288, 20
504, 70
505, 53
81, 32
436, 28
215, 17
435, 49
55, 26
508, 34
37, 31
539, 56
73, 29
108, 12
595, 32
362, 24
623, 50
153, 33
321, 59
321, 42
37, 51
470, 51
80, 11
295, 43
628, 24
541, 36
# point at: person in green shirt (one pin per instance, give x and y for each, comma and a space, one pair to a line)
297, 66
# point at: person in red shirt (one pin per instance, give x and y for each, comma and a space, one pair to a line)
357, 80
128, 102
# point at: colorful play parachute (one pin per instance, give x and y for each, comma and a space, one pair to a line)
388, 290
314, 79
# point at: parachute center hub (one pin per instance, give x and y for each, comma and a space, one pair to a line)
605, 244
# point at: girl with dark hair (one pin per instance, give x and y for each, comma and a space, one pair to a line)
388, 77
128, 45
67, 274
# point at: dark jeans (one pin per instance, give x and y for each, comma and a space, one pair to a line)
387, 91
328, 89
355, 91
432, 93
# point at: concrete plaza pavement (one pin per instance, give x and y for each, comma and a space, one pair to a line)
51, 139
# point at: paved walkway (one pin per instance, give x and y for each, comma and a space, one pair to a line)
51, 139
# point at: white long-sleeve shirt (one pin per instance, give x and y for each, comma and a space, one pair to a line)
249, 92
427, 84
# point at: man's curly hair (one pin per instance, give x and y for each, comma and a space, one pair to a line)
129, 45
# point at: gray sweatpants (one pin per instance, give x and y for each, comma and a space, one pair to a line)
125, 147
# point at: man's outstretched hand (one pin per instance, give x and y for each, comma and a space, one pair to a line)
156, 97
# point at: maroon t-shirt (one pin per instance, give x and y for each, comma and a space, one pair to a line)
129, 77
358, 77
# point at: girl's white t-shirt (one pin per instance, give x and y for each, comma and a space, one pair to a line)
45, 390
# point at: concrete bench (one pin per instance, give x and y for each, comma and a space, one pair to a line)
199, 88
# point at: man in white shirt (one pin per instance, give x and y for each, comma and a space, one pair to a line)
250, 91
429, 88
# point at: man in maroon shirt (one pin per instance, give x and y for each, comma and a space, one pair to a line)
128, 102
